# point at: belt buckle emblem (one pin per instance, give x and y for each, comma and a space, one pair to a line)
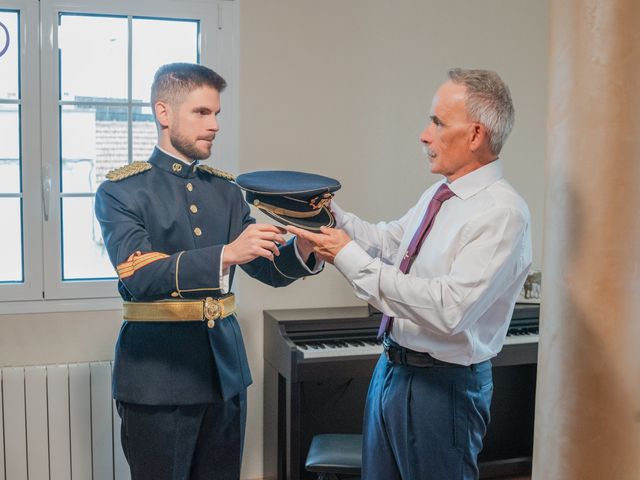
212, 311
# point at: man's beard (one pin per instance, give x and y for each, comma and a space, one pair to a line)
187, 148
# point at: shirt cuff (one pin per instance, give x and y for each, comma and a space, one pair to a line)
316, 268
351, 260
223, 282
338, 214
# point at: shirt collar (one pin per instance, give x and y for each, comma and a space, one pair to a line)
471, 183
172, 164
177, 158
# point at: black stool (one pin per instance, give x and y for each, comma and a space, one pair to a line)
332, 455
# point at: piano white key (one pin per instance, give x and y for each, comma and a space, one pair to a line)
520, 339
332, 350
337, 351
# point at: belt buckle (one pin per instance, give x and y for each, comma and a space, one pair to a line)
212, 311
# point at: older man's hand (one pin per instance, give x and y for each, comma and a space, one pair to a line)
327, 243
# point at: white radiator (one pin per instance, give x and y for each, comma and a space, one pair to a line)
58, 422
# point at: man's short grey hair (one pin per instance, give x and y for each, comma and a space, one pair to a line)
488, 102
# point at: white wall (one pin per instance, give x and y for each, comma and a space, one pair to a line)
342, 88
40, 339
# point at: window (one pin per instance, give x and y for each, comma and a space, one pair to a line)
11, 252
20, 206
87, 85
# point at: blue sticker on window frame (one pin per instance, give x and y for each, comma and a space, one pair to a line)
7, 40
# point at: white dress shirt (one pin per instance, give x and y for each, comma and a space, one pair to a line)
223, 281
457, 299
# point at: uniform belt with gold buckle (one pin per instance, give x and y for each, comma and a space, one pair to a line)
209, 309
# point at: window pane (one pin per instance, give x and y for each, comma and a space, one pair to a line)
93, 58
145, 134
156, 42
94, 140
9, 55
9, 149
84, 254
10, 240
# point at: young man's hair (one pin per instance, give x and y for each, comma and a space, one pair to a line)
173, 81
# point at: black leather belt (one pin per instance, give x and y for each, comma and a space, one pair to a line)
404, 356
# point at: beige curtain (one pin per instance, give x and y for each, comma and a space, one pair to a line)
588, 397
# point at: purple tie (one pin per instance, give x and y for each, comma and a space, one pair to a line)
442, 194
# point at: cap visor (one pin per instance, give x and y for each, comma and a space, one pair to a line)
323, 219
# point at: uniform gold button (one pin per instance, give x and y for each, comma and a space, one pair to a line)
175, 294
176, 167
197, 231
193, 209
190, 187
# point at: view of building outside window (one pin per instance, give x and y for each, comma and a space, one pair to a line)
105, 116
10, 131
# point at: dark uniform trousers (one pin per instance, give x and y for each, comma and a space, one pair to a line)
180, 386
425, 423
195, 442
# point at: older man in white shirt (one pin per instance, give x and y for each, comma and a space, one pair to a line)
446, 275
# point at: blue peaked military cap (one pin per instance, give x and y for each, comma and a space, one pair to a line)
292, 198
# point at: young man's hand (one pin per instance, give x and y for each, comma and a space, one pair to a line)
257, 240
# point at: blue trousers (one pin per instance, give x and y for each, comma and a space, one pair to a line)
425, 423
184, 442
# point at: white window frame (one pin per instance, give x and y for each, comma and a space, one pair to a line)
40, 149
30, 149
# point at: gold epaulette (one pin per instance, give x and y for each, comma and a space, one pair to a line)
216, 172
127, 171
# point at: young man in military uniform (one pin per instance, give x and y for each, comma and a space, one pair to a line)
175, 230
